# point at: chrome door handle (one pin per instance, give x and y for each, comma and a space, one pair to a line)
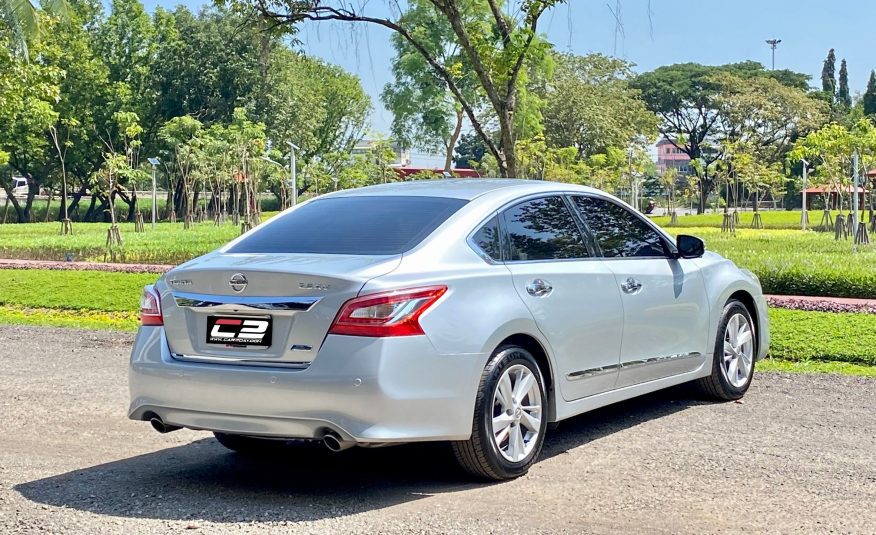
539, 288
631, 286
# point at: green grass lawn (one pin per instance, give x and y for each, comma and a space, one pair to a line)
169, 243
772, 219
801, 340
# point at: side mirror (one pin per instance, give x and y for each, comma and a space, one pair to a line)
689, 246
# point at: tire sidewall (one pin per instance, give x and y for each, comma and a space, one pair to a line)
731, 309
504, 358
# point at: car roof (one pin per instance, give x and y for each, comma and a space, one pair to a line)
456, 188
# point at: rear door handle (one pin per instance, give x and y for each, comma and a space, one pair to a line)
539, 288
631, 286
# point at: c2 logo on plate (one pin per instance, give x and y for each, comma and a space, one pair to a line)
244, 331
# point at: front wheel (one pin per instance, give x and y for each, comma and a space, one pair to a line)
735, 350
509, 418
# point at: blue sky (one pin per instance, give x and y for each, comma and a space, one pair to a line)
678, 31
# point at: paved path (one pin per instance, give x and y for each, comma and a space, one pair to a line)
798, 456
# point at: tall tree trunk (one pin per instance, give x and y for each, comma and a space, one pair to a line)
32, 189
451, 144
74, 204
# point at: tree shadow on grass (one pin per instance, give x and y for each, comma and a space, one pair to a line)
201, 480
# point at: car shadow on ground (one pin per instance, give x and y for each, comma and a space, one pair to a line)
201, 480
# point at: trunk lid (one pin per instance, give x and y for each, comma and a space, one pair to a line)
300, 294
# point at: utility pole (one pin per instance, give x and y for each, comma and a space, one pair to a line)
154, 162
804, 217
293, 171
773, 44
855, 199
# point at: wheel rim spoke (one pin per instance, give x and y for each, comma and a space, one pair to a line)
517, 413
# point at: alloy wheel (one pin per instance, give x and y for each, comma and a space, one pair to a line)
738, 350
517, 413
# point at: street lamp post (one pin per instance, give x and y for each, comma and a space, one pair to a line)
293, 171
154, 162
773, 44
804, 217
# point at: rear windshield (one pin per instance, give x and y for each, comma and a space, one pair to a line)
352, 225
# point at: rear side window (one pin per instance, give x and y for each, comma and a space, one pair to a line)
543, 229
619, 232
487, 239
367, 225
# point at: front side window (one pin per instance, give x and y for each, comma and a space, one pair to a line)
543, 229
619, 232
486, 239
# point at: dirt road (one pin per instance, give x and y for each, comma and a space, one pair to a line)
798, 455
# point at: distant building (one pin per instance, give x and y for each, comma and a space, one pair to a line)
671, 157
364, 146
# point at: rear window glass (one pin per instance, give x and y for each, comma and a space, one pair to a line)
352, 225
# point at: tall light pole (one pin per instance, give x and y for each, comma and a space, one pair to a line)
773, 44
804, 217
293, 171
154, 162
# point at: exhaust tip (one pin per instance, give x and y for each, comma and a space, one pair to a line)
162, 427
335, 444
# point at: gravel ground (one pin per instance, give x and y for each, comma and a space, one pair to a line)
799, 455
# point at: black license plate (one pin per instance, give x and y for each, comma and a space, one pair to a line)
239, 330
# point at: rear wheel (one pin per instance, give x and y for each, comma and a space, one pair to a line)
509, 419
249, 445
735, 350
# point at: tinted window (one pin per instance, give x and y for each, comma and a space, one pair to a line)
619, 232
352, 225
543, 229
487, 239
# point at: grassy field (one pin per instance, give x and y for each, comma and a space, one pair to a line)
169, 243
813, 341
788, 261
772, 219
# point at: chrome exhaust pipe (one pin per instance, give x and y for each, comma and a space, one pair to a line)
335, 444
162, 427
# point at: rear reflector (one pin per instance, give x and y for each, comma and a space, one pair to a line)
150, 307
395, 313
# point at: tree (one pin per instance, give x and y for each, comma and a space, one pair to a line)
426, 114
497, 50
590, 106
470, 151
843, 96
689, 100
22, 19
828, 75
869, 98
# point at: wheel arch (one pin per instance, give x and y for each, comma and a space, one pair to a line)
748, 300
538, 351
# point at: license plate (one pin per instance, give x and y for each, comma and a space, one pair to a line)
239, 330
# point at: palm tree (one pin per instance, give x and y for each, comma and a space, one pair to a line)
21, 17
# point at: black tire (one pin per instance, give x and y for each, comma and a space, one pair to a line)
479, 455
249, 445
716, 386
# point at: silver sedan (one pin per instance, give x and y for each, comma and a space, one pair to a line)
469, 311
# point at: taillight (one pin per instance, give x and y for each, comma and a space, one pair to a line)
395, 313
150, 307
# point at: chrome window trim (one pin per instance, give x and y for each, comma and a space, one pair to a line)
477, 249
195, 300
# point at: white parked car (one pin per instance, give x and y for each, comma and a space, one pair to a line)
19, 187
468, 311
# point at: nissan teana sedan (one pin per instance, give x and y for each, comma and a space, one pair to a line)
475, 312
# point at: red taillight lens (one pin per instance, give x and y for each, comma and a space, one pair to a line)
150, 307
395, 313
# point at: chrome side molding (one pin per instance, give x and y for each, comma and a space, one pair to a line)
592, 372
192, 300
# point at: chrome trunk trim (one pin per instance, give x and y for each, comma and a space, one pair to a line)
192, 300
245, 361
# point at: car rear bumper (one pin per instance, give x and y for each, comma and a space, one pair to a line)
373, 390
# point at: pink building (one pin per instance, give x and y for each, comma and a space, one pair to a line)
670, 157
